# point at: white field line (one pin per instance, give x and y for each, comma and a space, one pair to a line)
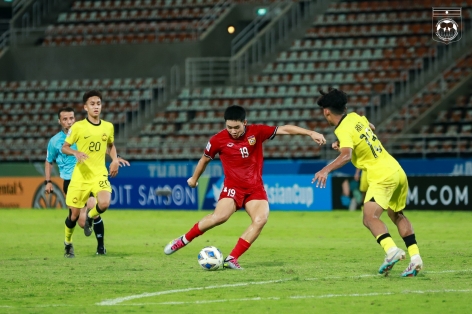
378, 275
117, 301
152, 294
447, 271
338, 277
323, 296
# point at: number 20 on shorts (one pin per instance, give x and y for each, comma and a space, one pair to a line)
104, 184
230, 192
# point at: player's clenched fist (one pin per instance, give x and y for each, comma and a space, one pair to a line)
318, 138
192, 182
48, 189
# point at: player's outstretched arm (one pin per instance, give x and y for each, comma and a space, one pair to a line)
201, 166
66, 149
115, 164
296, 130
341, 160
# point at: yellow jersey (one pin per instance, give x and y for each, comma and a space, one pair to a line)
92, 139
368, 154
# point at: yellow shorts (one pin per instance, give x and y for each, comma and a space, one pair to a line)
79, 191
389, 193
363, 185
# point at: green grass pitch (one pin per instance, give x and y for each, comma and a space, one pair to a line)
302, 263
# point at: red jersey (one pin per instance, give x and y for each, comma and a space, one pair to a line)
242, 158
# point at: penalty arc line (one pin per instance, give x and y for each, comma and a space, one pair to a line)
152, 294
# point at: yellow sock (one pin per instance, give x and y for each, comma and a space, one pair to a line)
413, 250
387, 243
93, 212
68, 233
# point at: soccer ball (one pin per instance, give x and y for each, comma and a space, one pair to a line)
210, 258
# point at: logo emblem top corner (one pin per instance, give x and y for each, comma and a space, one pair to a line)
446, 24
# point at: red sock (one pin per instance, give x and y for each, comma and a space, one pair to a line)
241, 247
193, 233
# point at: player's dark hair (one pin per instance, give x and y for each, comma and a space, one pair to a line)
335, 100
235, 113
91, 93
65, 109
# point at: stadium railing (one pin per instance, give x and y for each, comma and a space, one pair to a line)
262, 45
252, 30
28, 16
158, 92
210, 17
4, 41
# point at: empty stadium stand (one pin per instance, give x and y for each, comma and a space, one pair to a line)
451, 132
29, 109
133, 21
365, 48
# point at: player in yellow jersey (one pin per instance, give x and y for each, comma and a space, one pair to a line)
92, 136
387, 182
66, 166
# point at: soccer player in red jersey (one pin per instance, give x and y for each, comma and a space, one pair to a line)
241, 153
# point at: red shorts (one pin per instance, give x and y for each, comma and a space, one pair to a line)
241, 197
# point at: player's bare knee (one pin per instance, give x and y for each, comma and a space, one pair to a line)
103, 205
81, 220
368, 218
260, 221
91, 202
74, 214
